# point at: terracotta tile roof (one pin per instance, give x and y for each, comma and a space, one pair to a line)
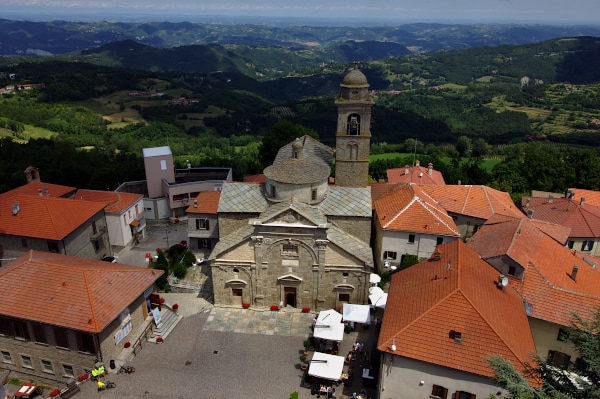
207, 203
547, 284
255, 179
584, 220
476, 201
409, 208
117, 201
559, 233
380, 190
48, 217
32, 188
591, 197
415, 174
71, 292
458, 292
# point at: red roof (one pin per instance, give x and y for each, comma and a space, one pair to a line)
47, 189
409, 208
415, 174
117, 201
207, 202
591, 197
457, 292
67, 291
255, 179
584, 220
51, 218
476, 201
548, 266
380, 190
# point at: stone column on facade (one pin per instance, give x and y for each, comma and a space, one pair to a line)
258, 260
321, 245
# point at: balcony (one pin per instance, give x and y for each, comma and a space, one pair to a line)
98, 234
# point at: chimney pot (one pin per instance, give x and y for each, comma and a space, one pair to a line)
417, 163
582, 201
550, 198
406, 169
40, 193
574, 273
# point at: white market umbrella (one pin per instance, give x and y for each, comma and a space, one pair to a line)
329, 317
326, 366
333, 332
374, 278
377, 297
357, 313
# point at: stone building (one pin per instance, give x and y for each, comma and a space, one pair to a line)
295, 240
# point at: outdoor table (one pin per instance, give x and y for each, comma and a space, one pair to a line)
26, 390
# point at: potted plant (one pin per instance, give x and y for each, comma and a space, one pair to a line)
175, 307
245, 305
54, 393
303, 365
127, 344
305, 309
159, 339
274, 307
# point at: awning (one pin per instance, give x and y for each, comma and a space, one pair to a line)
326, 366
332, 332
377, 297
356, 313
329, 317
374, 278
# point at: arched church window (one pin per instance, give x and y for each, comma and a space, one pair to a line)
353, 128
353, 151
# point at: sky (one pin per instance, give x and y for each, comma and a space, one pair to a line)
542, 11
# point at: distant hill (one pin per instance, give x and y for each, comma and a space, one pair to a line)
62, 37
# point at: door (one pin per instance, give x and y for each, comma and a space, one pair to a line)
290, 296
236, 296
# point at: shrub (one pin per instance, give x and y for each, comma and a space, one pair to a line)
305, 309
245, 305
175, 306
179, 270
162, 300
159, 339
274, 307
127, 344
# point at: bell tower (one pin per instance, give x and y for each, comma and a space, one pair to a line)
353, 133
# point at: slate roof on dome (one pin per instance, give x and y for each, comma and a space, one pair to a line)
294, 171
355, 78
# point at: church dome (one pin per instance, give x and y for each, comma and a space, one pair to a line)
355, 78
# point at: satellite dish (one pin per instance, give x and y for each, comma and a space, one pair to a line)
393, 267
386, 264
504, 281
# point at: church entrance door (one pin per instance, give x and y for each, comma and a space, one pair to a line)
290, 296
236, 296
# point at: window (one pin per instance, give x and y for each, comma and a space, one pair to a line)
353, 151
570, 244
456, 336
273, 192
463, 395
47, 366
202, 224
67, 370
20, 329
61, 337
5, 326
97, 245
95, 228
39, 333
353, 125
24, 243
580, 364
512, 271
6, 357
313, 194
587, 245
53, 246
390, 255
439, 241
558, 359
163, 164
439, 391
563, 335
204, 244
411, 238
289, 250
85, 343
26, 360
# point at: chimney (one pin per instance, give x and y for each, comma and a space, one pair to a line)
459, 182
574, 273
417, 163
430, 169
40, 193
581, 201
46, 191
406, 169
530, 213
550, 198
195, 203
15, 208
527, 202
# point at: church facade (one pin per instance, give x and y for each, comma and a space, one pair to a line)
296, 240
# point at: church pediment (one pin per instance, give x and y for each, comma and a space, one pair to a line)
236, 282
292, 215
289, 279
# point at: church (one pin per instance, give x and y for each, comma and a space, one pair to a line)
296, 240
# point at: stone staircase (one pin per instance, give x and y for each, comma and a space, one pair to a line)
168, 321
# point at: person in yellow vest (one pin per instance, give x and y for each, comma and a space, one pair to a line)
95, 374
100, 385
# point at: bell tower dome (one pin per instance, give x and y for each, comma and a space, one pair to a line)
353, 133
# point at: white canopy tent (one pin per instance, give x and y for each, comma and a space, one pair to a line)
332, 332
374, 278
326, 366
357, 313
377, 297
329, 317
